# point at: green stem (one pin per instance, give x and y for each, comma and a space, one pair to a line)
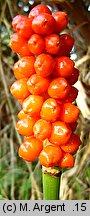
51, 184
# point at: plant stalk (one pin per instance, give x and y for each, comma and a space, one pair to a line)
51, 183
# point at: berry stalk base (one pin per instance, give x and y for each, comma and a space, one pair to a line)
51, 183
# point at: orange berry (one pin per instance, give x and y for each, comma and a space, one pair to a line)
22, 25
42, 129
39, 9
28, 138
25, 126
17, 19
67, 161
59, 88
36, 44
37, 84
22, 115
69, 112
44, 65
63, 67
50, 110
61, 133
19, 89
52, 43
24, 67
32, 105
30, 150
72, 94
50, 155
19, 45
43, 24
61, 19
72, 145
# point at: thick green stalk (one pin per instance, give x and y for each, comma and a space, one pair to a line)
51, 184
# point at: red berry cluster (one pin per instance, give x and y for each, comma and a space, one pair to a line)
45, 77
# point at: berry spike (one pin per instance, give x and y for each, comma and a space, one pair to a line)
44, 87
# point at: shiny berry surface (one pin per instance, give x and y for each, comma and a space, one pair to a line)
30, 150
61, 133
50, 156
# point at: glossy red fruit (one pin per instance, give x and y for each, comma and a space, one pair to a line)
67, 161
61, 133
50, 155
44, 64
30, 149
73, 77
52, 43
37, 84
22, 25
19, 89
39, 9
61, 19
42, 129
63, 67
32, 105
73, 126
72, 145
43, 24
25, 126
24, 67
50, 110
36, 44
17, 19
19, 45
59, 88
21, 115
73, 92
69, 113
66, 43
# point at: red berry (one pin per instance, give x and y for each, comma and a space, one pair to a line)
65, 45
73, 126
61, 19
50, 156
52, 43
69, 112
19, 45
67, 161
43, 24
37, 84
22, 25
72, 145
61, 133
72, 79
24, 67
64, 67
36, 44
44, 65
39, 9
59, 88
73, 92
